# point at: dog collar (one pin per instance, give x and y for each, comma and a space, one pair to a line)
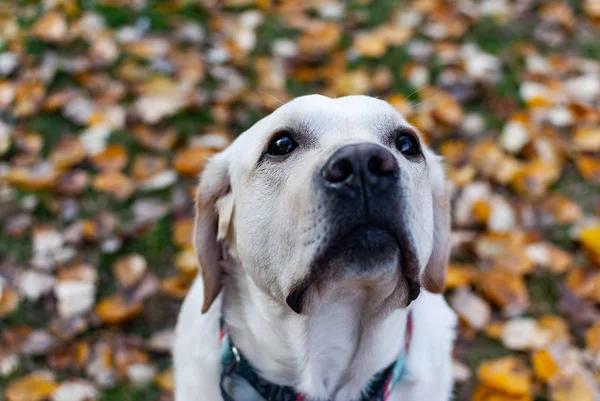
236, 367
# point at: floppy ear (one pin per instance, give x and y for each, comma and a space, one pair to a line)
434, 275
214, 211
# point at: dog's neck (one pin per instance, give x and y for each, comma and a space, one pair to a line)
330, 355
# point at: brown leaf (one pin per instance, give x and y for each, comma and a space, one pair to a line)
115, 309
589, 168
506, 290
9, 301
67, 153
191, 161
145, 166
52, 27
370, 45
176, 287
182, 232
113, 158
319, 37
114, 183
587, 138
129, 269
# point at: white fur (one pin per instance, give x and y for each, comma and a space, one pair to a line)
348, 334
276, 338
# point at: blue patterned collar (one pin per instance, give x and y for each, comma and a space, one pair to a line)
236, 366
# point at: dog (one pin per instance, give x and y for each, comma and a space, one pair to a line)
323, 236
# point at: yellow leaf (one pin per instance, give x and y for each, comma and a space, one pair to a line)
544, 366
507, 375
487, 394
590, 238
34, 387
459, 275
165, 381
592, 338
563, 388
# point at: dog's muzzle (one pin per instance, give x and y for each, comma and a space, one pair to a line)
366, 235
358, 168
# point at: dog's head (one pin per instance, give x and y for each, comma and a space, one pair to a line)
325, 197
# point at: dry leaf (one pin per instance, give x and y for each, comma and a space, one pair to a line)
165, 381
505, 289
129, 269
34, 387
507, 375
115, 309
191, 161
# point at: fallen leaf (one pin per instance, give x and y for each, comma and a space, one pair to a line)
165, 381
33, 387
589, 168
52, 27
191, 161
115, 309
471, 308
460, 275
587, 138
568, 388
114, 183
590, 238
9, 301
129, 269
505, 289
112, 158
544, 365
507, 375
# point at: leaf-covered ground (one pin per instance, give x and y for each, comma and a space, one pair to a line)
109, 108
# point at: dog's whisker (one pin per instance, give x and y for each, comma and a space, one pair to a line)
272, 97
416, 91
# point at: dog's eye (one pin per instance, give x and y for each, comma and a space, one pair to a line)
282, 144
407, 144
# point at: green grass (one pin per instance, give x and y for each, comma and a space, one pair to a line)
543, 293
190, 122
271, 28
52, 127
484, 348
30, 314
375, 12
17, 250
581, 191
496, 38
129, 392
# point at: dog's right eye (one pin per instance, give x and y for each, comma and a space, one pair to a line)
282, 144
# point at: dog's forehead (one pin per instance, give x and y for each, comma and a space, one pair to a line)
327, 120
315, 111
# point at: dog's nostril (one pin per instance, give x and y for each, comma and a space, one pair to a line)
382, 165
338, 171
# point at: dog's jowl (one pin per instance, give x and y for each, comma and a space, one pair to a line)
322, 235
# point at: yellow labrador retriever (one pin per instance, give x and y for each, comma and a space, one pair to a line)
322, 234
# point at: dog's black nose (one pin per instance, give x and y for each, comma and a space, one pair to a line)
362, 164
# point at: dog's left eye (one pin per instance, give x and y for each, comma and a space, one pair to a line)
282, 144
407, 144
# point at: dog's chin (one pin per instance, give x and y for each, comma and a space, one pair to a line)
363, 251
365, 256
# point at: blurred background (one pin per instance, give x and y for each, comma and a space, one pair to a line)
109, 109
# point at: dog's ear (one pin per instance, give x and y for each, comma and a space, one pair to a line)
434, 275
214, 213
